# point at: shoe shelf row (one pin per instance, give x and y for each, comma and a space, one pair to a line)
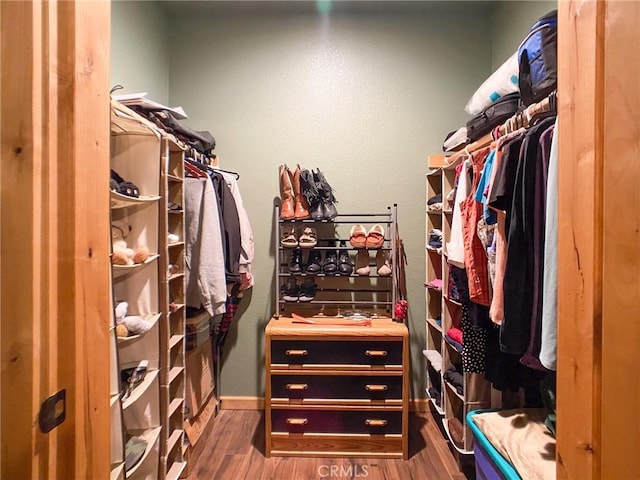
317, 268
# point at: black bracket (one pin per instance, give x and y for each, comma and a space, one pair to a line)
53, 411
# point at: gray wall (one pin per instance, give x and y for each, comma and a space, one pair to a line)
510, 23
139, 49
363, 95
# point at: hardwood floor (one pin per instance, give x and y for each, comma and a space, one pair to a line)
235, 451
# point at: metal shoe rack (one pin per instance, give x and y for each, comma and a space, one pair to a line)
337, 294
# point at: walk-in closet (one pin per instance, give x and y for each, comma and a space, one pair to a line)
319, 239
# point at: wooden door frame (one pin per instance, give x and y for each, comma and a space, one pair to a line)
54, 242
598, 240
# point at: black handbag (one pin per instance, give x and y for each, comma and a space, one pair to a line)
492, 116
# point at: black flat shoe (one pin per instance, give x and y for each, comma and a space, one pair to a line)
330, 263
314, 264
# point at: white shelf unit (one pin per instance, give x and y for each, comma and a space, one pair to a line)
135, 156
452, 404
172, 331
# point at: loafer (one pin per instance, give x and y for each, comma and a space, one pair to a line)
375, 237
358, 236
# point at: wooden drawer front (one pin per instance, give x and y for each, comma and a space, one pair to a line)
359, 446
346, 387
332, 352
336, 421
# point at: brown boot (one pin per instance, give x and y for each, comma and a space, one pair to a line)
286, 194
302, 206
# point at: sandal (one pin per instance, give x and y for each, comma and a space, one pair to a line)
309, 238
358, 237
375, 237
288, 237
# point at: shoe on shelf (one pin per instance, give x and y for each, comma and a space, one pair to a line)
290, 291
345, 265
288, 236
295, 263
327, 199
358, 236
362, 263
383, 263
330, 263
309, 238
287, 206
301, 206
307, 290
312, 194
314, 263
375, 237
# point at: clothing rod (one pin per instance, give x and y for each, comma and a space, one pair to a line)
336, 221
337, 302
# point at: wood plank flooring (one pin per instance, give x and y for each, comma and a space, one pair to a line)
235, 451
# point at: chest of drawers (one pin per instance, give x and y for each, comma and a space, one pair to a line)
337, 390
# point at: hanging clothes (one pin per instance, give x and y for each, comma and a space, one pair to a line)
475, 256
204, 255
532, 353
455, 245
548, 347
518, 280
230, 228
246, 234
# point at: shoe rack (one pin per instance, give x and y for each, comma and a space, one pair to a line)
326, 291
135, 156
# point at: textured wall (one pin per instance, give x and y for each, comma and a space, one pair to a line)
139, 49
511, 22
363, 94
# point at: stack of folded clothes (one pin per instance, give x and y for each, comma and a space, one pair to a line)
453, 375
454, 338
434, 204
435, 237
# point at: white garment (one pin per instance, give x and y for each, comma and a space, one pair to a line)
204, 254
435, 359
549, 341
455, 245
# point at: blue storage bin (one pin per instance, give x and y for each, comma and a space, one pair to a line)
490, 464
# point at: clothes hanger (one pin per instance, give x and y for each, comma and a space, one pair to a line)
194, 171
235, 174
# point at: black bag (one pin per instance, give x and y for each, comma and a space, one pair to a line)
537, 57
492, 116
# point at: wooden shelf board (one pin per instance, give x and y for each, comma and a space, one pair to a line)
153, 319
174, 406
176, 470
176, 244
140, 390
433, 401
174, 179
175, 212
176, 275
179, 306
175, 373
123, 201
173, 440
175, 340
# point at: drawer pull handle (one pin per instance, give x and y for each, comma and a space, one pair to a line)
376, 353
376, 388
296, 353
297, 421
375, 423
296, 387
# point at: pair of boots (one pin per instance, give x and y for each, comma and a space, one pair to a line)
305, 194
